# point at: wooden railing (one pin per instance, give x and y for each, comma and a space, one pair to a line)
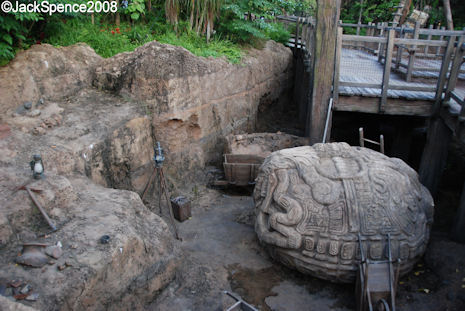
303, 37
392, 45
426, 49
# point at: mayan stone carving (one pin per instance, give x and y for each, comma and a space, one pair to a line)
312, 202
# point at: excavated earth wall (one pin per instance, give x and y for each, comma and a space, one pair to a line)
95, 122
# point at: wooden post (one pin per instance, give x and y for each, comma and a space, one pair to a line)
296, 40
455, 69
412, 51
304, 43
337, 65
434, 154
438, 49
458, 229
429, 38
399, 49
381, 144
324, 48
381, 45
361, 137
443, 74
387, 68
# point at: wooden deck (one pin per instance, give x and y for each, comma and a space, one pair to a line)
363, 68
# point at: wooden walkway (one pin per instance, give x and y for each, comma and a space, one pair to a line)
363, 67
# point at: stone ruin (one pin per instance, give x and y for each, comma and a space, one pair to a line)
312, 202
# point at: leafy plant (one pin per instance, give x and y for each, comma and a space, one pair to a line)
136, 8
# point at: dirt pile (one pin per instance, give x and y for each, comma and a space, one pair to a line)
262, 144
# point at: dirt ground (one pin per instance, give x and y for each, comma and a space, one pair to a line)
223, 253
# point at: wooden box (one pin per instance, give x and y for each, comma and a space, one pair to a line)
181, 208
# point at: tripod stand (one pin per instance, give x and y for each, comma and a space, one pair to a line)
163, 189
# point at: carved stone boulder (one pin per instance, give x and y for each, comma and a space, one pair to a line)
313, 202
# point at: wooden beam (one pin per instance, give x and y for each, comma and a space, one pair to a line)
458, 229
394, 106
324, 48
387, 69
434, 154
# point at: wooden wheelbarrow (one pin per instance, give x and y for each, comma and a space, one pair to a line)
240, 169
376, 282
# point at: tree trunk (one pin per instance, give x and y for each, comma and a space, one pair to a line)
191, 19
448, 13
149, 5
117, 16
405, 11
360, 12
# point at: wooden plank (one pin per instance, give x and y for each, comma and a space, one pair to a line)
381, 44
355, 38
324, 49
411, 58
434, 154
360, 84
413, 88
458, 228
443, 73
406, 41
393, 106
337, 66
387, 69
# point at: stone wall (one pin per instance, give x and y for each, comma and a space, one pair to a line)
195, 102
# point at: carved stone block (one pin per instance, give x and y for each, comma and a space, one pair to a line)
315, 200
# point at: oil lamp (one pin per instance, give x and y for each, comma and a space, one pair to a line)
37, 166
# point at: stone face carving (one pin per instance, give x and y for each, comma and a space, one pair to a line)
311, 203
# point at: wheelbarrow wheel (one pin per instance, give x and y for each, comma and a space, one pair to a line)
382, 305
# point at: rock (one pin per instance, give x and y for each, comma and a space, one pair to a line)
12, 305
8, 292
262, 144
34, 113
87, 211
54, 251
27, 105
25, 289
32, 297
312, 202
44, 71
33, 256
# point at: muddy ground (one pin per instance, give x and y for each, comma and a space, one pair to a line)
223, 253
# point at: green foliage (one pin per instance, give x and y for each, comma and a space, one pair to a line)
234, 25
136, 8
372, 11
107, 40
